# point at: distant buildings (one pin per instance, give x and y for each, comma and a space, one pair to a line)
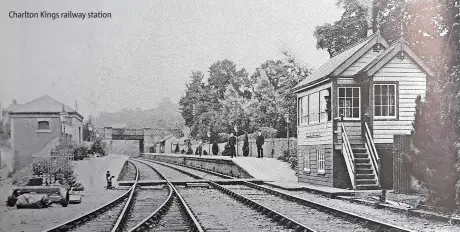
36, 128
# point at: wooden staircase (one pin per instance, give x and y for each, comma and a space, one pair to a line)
366, 177
362, 160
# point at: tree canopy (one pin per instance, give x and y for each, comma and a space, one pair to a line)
231, 97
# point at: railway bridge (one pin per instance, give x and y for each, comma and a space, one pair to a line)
146, 136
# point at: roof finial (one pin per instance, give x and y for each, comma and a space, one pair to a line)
63, 109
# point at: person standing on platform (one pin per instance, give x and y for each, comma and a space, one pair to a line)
232, 143
260, 142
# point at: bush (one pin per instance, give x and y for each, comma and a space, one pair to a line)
246, 145
189, 151
215, 148
290, 158
182, 151
80, 153
205, 152
227, 151
177, 149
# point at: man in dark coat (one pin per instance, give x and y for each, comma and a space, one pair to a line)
232, 143
260, 142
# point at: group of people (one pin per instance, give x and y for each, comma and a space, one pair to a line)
260, 140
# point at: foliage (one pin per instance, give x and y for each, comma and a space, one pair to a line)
80, 153
177, 148
205, 152
424, 23
198, 150
290, 158
227, 151
189, 151
233, 98
5, 132
435, 150
246, 145
97, 147
215, 148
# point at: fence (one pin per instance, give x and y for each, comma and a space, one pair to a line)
401, 178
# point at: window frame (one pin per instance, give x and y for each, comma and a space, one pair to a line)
321, 161
39, 130
359, 102
396, 93
306, 154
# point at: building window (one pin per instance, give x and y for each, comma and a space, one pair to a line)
349, 102
302, 110
313, 108
43, 125
306, 161
385, 100
320, 161
323, 116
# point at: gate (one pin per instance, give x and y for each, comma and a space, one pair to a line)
401, 176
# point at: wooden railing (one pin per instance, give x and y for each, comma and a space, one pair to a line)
372, 152
348, 156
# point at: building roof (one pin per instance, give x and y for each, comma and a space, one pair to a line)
44, 104
338, 63
383, 58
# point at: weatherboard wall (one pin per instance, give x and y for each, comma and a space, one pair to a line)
411, 82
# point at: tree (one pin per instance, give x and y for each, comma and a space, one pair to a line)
246, 145
423, 22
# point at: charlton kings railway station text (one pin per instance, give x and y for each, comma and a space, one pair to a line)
61, 15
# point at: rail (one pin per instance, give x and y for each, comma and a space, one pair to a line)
121, 221
193, 222
373, 225
348, 156
370, 147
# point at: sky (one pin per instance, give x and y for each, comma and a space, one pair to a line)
147, 50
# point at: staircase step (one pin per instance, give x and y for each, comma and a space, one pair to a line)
365, 176
366, 181
364, 171
360, 155
362, 160
359, 150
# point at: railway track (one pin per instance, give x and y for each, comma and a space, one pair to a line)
297, 210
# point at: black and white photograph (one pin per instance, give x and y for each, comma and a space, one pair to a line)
230, 116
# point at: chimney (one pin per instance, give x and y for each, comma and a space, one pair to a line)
370, 12
76, 106
15, 101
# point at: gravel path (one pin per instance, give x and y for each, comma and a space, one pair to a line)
384, 215
308, 216
218, 212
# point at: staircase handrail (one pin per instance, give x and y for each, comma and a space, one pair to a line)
349, 157
372, 152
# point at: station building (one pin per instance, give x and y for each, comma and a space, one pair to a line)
350, 108
37, 128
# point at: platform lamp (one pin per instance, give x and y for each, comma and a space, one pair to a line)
209, 144
287, 131
236, 135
